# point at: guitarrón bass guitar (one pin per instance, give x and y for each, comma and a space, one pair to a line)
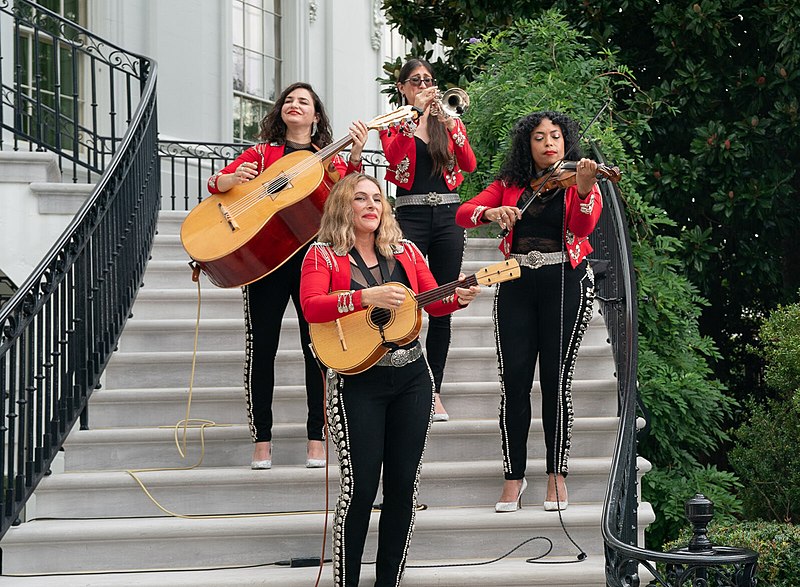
252, 229
355, 342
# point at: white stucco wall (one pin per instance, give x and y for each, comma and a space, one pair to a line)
338, 46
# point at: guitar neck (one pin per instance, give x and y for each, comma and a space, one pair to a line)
443, 291
331, 150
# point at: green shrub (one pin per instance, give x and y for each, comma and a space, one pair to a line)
780, 340
777, 545
768, 463
545, 63
765, 455
668, 489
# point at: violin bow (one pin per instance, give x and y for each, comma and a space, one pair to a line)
575, 142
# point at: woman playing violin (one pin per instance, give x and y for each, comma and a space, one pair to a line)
543, 314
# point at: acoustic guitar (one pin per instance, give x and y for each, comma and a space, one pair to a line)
252, 229
355, 342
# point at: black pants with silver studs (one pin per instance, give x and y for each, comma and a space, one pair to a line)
530, 313
434, 230
377, 420
265, 302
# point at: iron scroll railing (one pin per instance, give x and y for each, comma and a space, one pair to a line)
698, 566
186, 166
59, 329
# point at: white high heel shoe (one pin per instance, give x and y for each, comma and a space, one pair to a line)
314, 463
511, 506
554, 506
265, 464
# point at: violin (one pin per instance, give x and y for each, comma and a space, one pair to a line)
564, 174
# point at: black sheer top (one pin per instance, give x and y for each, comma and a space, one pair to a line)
541, 226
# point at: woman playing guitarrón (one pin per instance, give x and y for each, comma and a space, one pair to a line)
297, 122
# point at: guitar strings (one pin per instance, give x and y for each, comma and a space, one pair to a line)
252, 197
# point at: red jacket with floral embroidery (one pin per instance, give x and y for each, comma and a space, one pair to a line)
582, 215
324, 271
264, 155
400, 149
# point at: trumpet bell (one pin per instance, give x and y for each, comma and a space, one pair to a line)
455, 102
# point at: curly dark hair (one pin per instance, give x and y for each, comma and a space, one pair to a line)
518, 168
273, 129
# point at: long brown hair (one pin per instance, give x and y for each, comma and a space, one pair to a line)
337, 218
439, 143
273, 129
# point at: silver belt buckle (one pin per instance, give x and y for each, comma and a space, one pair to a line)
432, 199
536, 259
399, 357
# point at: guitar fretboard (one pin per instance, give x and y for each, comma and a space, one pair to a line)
443, 291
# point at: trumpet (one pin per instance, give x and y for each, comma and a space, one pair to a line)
454, 102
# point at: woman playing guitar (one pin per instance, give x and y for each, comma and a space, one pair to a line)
297, 122
378, 418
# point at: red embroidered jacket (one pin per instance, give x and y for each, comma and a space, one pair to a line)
582, 215
265, 154
400, 150
324, 271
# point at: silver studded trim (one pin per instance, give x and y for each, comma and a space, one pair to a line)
587, 207
401, 173
337, 428
459, 138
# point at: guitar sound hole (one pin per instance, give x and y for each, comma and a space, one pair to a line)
380, 316
278, 184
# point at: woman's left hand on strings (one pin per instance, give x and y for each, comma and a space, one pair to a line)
358, 132
465, 295
585, 176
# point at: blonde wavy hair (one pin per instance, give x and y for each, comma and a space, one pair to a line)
337, 218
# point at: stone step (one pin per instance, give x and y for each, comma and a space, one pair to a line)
223, 368
167, 334
181, 302
150, 407
126, 544
229, 445
233, 490
177, 275
513, 571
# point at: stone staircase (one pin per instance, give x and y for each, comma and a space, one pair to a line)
92, 524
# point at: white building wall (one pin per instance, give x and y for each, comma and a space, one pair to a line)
338, 46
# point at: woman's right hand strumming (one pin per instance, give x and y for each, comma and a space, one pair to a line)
243, 173
383, 296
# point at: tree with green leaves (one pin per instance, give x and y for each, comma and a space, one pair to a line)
719, 81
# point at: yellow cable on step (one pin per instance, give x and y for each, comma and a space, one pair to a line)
185, 424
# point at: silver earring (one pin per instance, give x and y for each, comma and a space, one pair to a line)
314, 128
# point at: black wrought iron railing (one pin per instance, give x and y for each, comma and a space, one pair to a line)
699, 565
59, 329
186, 166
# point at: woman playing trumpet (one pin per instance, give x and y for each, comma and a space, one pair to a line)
426, 160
